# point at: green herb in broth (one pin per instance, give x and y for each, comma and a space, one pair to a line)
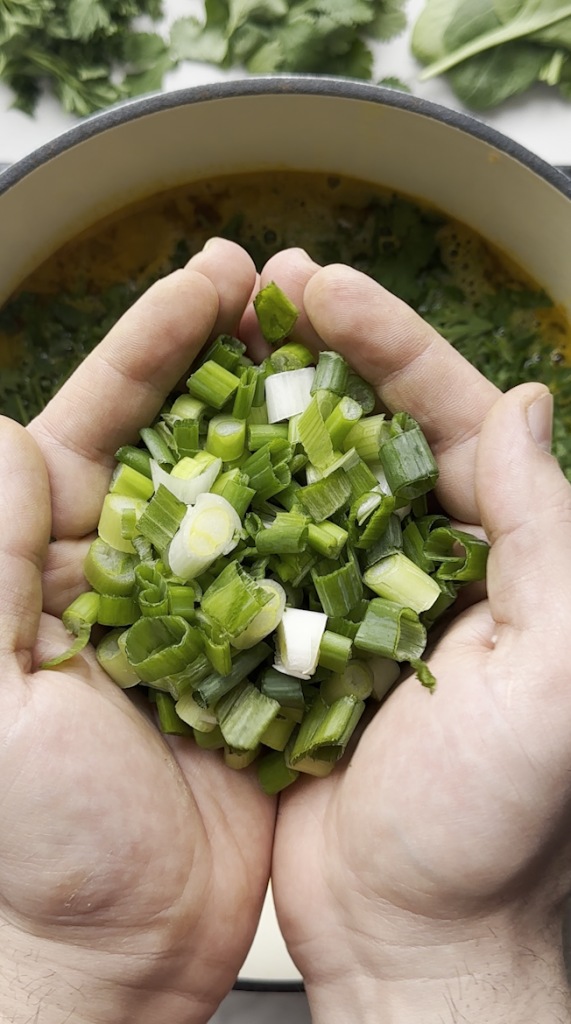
480, 302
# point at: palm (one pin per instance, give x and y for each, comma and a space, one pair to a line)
123, 825
450, 804
142, 852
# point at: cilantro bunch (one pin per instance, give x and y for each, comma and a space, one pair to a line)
495, 49
272, 36
84, 51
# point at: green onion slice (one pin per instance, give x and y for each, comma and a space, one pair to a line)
392, 631
299, 636
210, 529
78, 619
158, 647
276, 315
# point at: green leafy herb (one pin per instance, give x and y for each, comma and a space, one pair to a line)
77, 47
319, 36
495, 49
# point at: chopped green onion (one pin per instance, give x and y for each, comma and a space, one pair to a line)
331, 374
408, 463
212, 384
226, 437
244, 714
292, 356
219, 654
187, 488
152, 591
225, 350
161, 646
400, 580
260, 434
187, 408
286, 535
157, 446
366, 437
413, 547
338, 590
335, 651
209, 740
171, 724
276, 315
129, 481
314, 436
110, 521
113, 659
268, 470
464, 568
392, 631
385, 674
360, 478
267, 619
327, 538
161, 518
387, 544
274, 774
288, 394
238, 759
299, 636
211, 689
117, 610
326, 727
78, 619
186, 437
326, 496
342, 420
361, 392
285, 689
109, 571
234, 600
181, 601
135, 458
245, 395
209, 529
278, 733
355, 680
194, 715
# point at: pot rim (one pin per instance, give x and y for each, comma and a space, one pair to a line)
264, 85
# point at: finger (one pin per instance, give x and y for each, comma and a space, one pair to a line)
525, 503
24, 536
118, 389
233, 274
412, 368
63, 579
291, 270
249, 330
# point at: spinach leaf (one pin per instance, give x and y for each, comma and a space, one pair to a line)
490, 78
532, 16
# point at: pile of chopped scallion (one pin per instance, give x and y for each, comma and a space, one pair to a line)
266, 559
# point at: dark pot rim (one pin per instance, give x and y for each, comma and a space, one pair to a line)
303, 85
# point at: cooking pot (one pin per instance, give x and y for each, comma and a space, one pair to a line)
467, 170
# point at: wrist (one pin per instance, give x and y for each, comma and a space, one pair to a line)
67, 984
491, 977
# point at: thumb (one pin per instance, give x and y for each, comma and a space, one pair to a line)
525, 505
25, 521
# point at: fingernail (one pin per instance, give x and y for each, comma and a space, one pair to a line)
305, 255
540, 421
211, 241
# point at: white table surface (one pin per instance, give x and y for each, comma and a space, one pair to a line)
540, 121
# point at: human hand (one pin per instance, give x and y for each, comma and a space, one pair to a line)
132, 866
424, 879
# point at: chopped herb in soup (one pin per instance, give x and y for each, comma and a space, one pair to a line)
477, 298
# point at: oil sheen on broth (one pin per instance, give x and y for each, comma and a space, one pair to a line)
475, 296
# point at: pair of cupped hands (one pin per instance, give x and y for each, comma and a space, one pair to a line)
425, 879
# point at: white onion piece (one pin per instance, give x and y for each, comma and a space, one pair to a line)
186, 490
210, 528
299, 637
289, 393
266, 620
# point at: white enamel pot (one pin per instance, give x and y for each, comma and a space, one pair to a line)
511, 197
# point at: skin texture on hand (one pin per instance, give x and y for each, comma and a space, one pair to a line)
132, 866
424, 880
